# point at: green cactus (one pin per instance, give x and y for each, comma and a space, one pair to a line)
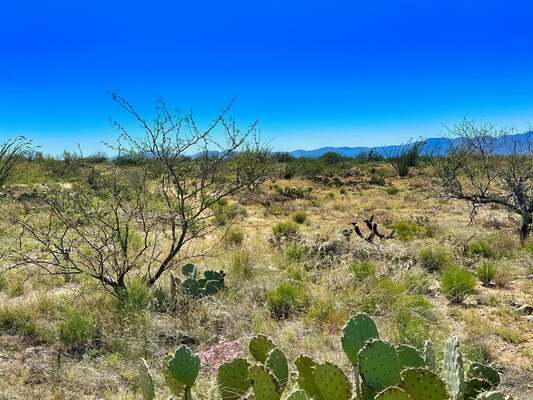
392, 393
453, 369
259, 347
264, 384
146, 381
277, 363
429, 356
491, 396
367, 393
356, 333
305, 366
379, 364
409, 357
298, 394
474, 386
482, 371
210, 284
331, 382
421, 384
233, 379
181, 372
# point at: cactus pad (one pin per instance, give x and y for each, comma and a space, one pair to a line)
482, 371
421, 384
298, 394
277, 363
355, 334
379, 365
233, 380
305, 366
392, 393
453, 368
146, 382
409, 357
264, 384
429, 355
331, 382
182, 370
367, 393
475, 386
259, 347
491, 396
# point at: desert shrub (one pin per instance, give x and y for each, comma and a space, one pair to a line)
493, 246
234, 237
362, 270
136, 298
405, 230
476, 350
299, 217
378, 180
392, 190
286, 300
330, 195
416, 282
414, 320
503, 277
434, 258
343, 191
481, 248
295, 252
241, 265
15, 284
457, 283
285, 229
325, 312
77, 328
17, 321
404, 157
486, 271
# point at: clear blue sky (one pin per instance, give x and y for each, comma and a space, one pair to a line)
342, 73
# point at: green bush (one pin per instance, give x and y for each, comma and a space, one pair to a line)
486, 271
286, 300
17, 321
405, 230
362, 270
392, 190
234, 237
77, 328
136, 298
299, 217
295, 252
457, 284
434, 258
481, 248
286, 229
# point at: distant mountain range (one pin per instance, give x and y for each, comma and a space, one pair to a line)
432, 146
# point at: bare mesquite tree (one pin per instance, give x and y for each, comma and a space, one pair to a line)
145, 219
405, 157
11, 153
487, 165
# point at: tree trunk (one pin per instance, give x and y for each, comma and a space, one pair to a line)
525, 229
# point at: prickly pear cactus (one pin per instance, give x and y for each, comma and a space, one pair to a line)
181, 371
421, 384
331, 382
392, 393
259, 347
367, 393
211, 283
379, 364
233, 380
482, 371
355, 334
491, 396
264, 384
429, 355
453, 369
409, 357
305, 366
146, 381
277, 363
298, 394
474, 386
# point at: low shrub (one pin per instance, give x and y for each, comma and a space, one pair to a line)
136, 298
295, 252
77, 328
17, 321
486, 271
241, 265
300, 217
234, 237
405, 230
362, 270
481, 248
392, 190
434, 258
286, 300
286, 229
457, 283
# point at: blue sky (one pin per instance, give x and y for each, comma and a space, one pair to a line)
341, 73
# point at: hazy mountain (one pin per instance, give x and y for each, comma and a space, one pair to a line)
433, 146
